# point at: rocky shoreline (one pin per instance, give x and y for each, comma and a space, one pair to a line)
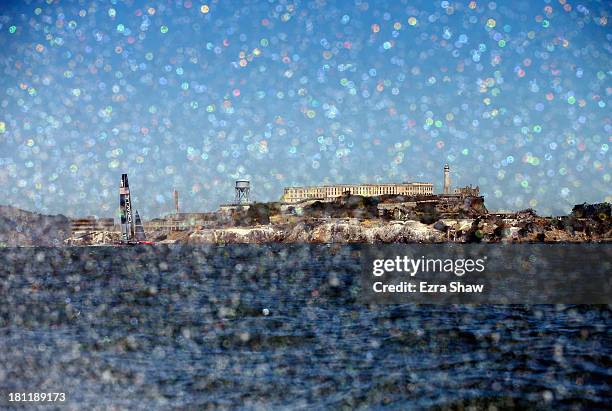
352, 220
485, 230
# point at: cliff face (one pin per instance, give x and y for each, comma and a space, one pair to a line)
23, 228
339, 231
354, 231
331, 232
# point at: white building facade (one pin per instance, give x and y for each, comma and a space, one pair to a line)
329, 192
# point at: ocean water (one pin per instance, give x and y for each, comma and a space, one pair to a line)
275, 327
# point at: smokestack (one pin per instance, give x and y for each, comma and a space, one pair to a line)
447, 179
176, 201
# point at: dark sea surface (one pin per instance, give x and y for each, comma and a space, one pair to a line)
276, 327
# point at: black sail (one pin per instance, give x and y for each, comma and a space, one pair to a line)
125, 206
139, 229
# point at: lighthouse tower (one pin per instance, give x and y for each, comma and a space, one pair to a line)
447, 180
175, 194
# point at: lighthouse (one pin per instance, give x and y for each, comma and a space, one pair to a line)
175, 194
447, 180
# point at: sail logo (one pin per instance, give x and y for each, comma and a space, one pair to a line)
128, 209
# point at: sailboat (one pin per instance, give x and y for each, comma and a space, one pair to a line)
132, 230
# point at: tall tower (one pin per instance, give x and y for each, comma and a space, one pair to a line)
447, 179
176, 201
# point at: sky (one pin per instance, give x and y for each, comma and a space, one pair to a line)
192, 95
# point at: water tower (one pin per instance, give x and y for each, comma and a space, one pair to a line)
242, 192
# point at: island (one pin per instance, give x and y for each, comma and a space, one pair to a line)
346, 219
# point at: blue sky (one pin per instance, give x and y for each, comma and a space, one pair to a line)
193, 95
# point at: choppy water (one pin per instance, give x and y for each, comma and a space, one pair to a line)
276, 327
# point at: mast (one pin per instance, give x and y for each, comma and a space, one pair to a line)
125, 206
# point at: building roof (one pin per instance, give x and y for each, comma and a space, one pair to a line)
362, 185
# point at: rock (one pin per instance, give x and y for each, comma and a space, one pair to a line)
440, 226
93, 238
